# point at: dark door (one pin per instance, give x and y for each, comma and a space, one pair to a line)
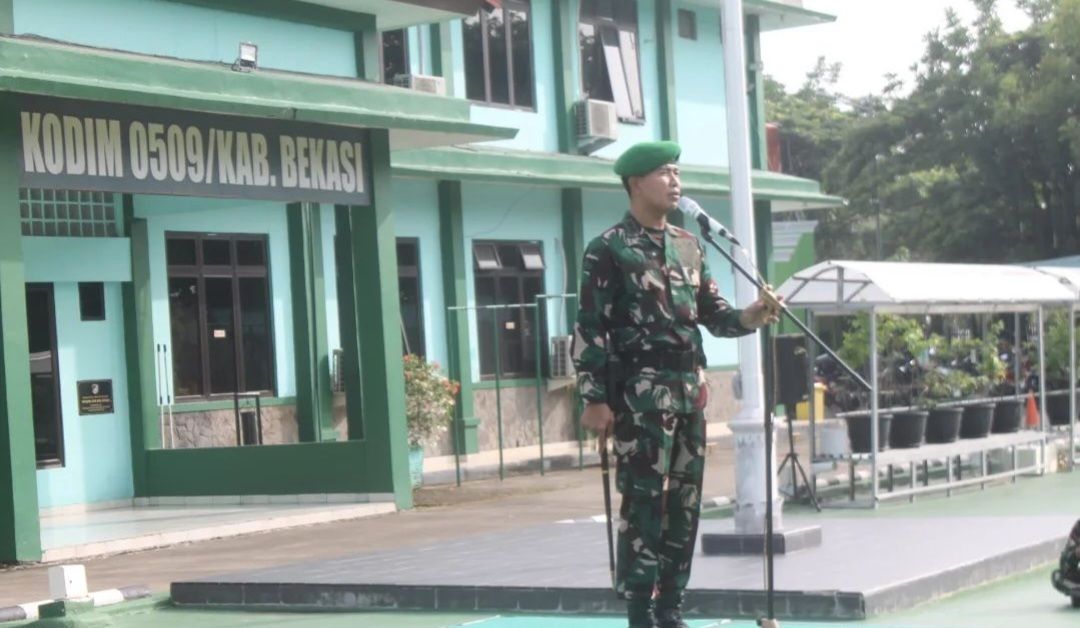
44, 375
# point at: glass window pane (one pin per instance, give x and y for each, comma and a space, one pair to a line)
522, 54
609, 38
485, 295
217, 253
395, 54
48, 434
411, 315
510, 351
629, 48
595, 82
485, 256
250, 253
531, 257
498, 69
92, 301
510, 256
474, 58
255, 322
219, 331
180, 252
407, 254
184, 321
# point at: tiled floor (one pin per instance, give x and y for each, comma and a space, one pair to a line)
71, 536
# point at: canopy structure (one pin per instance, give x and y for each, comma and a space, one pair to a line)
843, 287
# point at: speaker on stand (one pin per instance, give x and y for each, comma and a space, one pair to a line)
791, 366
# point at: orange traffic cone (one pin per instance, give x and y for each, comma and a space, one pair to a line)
1032, 411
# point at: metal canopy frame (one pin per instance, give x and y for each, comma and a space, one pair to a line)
843, 288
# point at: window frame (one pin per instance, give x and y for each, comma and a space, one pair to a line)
524, 316
599, 22
389, 80
199, 272
412, 272
517, 5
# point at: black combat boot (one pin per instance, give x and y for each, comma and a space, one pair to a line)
669, 611
640, 612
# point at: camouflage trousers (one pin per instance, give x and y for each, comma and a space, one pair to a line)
659, 527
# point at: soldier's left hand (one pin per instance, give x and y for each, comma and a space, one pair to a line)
764, 311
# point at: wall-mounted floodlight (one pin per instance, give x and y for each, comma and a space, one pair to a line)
248, 59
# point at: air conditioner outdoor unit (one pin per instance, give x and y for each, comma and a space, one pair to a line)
597, 124
337, 371
562, 359
422, 83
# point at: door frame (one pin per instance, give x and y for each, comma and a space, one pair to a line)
49, 290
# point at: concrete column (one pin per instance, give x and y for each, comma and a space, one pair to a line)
20, 534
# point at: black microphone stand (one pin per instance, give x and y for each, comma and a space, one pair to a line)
770, 583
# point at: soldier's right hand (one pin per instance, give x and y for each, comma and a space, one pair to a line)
598, 418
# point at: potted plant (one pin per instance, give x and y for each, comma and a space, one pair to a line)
943, 385
980, 360
901, 345
429, 409
1056, 348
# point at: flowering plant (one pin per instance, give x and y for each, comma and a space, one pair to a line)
429, 400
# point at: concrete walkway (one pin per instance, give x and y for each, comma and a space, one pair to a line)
442, 513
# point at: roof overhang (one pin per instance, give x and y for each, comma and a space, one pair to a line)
774, 15
350, 14
415, 120
474, 163
846, 287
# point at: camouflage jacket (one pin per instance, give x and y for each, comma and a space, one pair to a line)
638, 297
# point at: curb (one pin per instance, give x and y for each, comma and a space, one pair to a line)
106, 597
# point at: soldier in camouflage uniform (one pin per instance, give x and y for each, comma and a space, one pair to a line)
1067, 577
645, 290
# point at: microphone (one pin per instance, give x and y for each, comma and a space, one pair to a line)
691, 208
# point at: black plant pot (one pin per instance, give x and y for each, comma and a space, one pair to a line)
977, 420
1057, 407
1008, 415
943, 425
858, 426
908, 429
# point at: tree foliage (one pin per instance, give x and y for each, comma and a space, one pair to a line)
976, 162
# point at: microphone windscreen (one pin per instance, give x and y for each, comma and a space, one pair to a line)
689, 206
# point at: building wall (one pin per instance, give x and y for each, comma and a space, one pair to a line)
169, 213
188, 32
699, 90
514, 212
97, 449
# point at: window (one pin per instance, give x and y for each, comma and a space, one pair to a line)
610, 68
508, 273
410, 296
219, 309
44, 375
687, 24
68, 213
498, 54
395, 54
92, 301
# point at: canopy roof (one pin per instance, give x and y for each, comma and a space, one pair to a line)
839, 287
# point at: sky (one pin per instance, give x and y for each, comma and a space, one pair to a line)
869, 38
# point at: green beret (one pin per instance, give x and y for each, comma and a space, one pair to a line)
641, 159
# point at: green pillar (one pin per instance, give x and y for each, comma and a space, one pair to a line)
314, 399
443, 54
454, 258
375, 282
665, 63
366, 43
564, 14
20, 534
350, 337
139, 350
573, 241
